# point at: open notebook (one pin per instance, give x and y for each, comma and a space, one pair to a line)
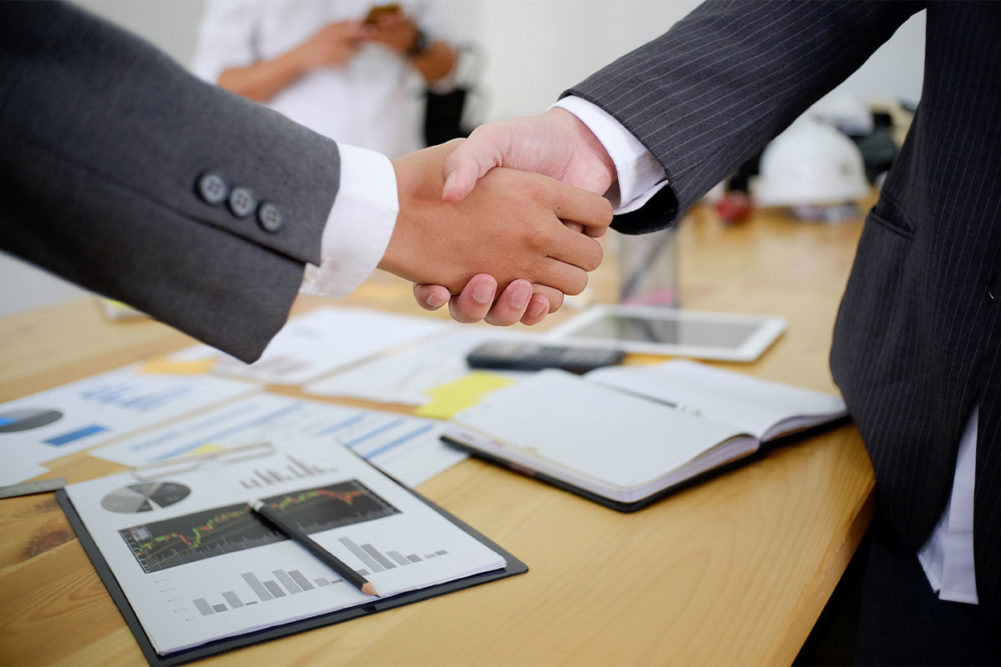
624, 436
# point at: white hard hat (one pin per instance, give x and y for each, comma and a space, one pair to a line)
809, 163
846, 113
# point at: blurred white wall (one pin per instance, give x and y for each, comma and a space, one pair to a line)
538, 48
534, 50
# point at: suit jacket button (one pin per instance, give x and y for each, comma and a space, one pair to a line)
269, 217
211, 188
241, 202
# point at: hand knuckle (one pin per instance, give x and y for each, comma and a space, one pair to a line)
498, 321
576, 283
607, 212
460, 315
599, 256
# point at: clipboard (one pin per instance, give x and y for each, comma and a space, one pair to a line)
513, 567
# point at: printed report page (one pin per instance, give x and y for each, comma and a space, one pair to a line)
197, 566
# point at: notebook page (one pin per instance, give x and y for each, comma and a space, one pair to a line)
592, 431
761, 408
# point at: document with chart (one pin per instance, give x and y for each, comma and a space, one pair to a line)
78, 415
319, 342
408, 376
408, 448
197, 566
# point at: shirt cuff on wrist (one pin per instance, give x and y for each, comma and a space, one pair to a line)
359, 226
640, 175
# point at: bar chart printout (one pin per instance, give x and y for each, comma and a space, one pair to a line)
223, 530
255, 590
198, 567
377, 561
292, 582
290, 470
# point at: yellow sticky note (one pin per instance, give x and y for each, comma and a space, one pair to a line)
635, 359
164, 366
454, 397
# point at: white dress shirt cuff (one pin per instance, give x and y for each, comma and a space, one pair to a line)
359, 226
640, 176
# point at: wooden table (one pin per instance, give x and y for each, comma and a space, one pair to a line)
732, 571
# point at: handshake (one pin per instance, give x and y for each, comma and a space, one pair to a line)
514, 210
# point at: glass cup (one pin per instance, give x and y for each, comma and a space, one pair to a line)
648, 269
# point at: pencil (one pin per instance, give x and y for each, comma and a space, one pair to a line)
336, 564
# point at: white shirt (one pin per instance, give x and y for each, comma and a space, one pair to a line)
947, 556
372, 101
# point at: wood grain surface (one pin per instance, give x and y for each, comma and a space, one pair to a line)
732, 571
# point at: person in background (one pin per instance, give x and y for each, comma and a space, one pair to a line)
343, 68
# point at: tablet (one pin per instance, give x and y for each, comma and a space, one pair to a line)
688, 333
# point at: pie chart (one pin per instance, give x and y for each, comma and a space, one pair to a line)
26, 419
144, 497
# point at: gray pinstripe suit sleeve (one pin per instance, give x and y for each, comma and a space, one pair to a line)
103, 140
713, 90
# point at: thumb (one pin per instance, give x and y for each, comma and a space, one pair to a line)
467, 164
431, 297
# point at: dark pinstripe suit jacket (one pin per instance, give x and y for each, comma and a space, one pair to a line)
916, 344
102, 142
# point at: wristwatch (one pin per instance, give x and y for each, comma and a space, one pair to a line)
420, 44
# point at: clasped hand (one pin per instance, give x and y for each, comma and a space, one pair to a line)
508, 229
555, 144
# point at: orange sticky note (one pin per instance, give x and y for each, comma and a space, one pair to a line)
165, 366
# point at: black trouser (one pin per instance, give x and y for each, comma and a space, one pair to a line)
885, 613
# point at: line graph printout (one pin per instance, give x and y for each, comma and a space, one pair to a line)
407, 448
74, 416
201, 567
222, 530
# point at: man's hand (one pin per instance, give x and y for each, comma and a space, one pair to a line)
332, 45
510, 227
555, 144
397, 31
393, 29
